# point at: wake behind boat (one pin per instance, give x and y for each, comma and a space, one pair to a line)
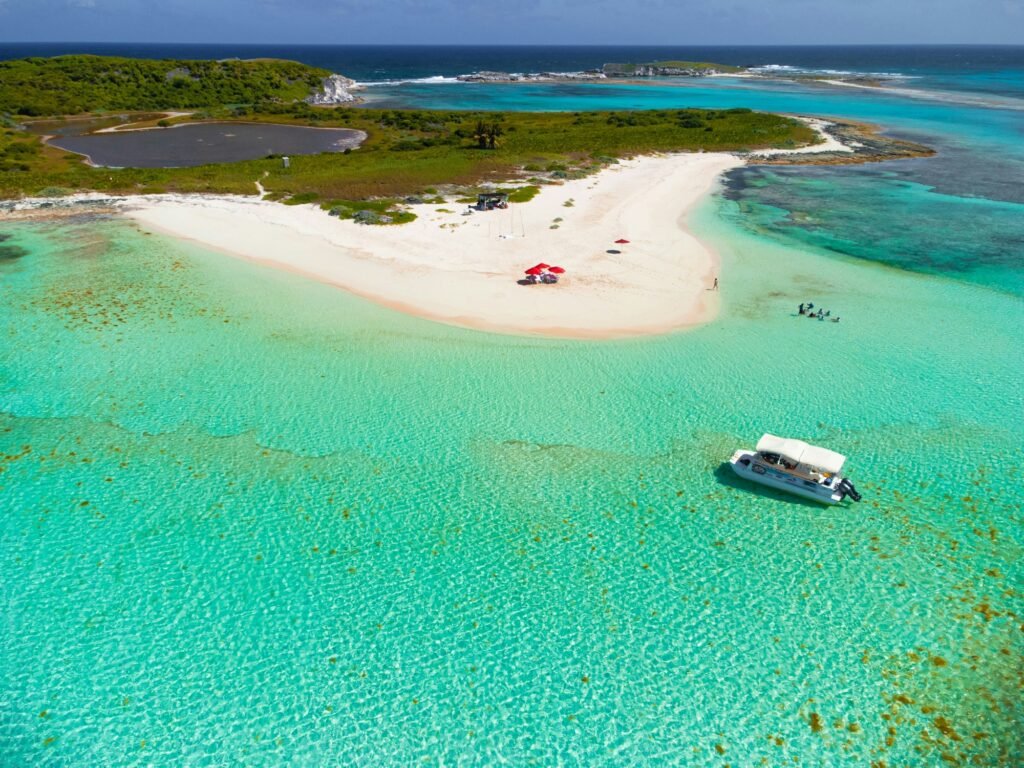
795, 467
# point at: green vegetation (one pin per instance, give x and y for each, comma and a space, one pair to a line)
76, 84
411, 151
523, 194
384, 211
19, 152
697, 65
407, 152
487, 134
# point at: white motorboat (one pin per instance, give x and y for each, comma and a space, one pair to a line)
795, 467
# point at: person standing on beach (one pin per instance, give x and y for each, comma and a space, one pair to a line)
715, 286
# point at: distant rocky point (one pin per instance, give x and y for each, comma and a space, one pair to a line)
334, 90
655, 69
669, 69
534, 77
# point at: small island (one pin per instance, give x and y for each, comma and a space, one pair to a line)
295, 173
669, 69
608, 72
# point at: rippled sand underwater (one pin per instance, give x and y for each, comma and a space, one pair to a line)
251, 519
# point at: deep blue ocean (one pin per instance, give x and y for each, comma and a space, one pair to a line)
984, 68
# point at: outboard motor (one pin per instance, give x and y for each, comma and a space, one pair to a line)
847, 489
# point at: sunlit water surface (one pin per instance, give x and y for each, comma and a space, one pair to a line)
250, 519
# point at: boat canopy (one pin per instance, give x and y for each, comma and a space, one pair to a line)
801, 452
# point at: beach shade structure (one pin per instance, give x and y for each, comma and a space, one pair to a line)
622, 241
542, 265
556, 270
538, 270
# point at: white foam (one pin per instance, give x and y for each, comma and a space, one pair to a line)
787, 68
433, 80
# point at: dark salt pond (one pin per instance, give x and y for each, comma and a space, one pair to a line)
203, 143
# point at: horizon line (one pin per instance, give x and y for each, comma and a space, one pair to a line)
520, 45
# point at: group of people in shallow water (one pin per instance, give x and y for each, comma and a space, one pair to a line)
807, 310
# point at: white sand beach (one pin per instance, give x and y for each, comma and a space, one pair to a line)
463, 269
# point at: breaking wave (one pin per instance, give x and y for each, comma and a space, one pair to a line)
768, 69
433, 80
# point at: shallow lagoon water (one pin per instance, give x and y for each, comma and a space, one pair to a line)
203, 143
250, 518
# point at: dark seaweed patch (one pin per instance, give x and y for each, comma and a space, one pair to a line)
11, 252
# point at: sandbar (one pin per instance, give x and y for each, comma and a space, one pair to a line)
463, 269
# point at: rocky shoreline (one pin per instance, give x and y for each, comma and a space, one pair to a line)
669, 69
605, 72
616, 73
334, 90
533, 77
866, 141
74, 205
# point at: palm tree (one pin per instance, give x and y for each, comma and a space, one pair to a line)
493, 132
480, 134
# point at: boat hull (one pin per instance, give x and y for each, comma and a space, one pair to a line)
782, 481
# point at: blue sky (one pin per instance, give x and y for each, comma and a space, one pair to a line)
655, 22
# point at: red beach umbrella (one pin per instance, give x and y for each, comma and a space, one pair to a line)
622, 241
542, 265
556, 270
535, 271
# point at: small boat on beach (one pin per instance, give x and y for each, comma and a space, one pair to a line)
795, 467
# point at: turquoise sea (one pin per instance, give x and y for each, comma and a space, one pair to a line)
248, 519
